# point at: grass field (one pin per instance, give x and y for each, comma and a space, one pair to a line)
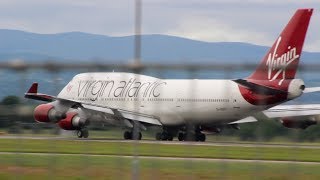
78, 166
164, 150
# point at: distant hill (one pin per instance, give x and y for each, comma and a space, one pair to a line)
75, 46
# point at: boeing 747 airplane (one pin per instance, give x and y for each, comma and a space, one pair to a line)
185, 105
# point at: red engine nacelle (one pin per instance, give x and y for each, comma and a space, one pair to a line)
297, 124
47, 113
72, 122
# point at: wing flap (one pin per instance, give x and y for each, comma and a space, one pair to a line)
123, 113
245, 120
140, 118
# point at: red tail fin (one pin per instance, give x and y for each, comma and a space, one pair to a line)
282, 60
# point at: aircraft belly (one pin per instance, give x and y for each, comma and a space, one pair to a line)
209, 116
211, 101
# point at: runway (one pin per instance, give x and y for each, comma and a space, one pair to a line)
167, 158
239, 144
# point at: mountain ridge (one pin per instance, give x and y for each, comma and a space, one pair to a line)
80, 46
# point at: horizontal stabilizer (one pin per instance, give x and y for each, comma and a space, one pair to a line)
292, 110
33, 94
311, 90
259, 89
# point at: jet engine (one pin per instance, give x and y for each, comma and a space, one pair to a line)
72, 122
47, 113
297, 124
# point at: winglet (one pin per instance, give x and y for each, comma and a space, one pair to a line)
33, 89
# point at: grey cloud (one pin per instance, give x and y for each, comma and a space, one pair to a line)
254, 21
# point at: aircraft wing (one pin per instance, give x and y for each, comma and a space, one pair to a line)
281, 111
292, 110
121, 113
245, 120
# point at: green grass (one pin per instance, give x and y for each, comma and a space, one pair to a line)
164, 150
77, 166
84, 167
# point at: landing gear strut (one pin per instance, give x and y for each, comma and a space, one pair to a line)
83, 133
128, 135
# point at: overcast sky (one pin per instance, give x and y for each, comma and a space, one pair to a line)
253, 21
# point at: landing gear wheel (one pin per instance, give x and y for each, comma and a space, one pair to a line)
79, 134
170, 137
201, 137
127, 135
85, 133
136, 136
181, 136
164, 136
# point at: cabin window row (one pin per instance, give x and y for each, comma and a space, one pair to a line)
203, 100
128, 99
160, 99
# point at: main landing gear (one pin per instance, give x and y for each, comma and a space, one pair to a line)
128, 135
191, 133
83, 133
198, 136
164, 136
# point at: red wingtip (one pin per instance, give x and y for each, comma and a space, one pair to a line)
33, 88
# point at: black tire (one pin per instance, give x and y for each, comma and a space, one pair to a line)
79, 134
85, 133
127, 135
169, 137
202, 137
136, 136
181, 136
164, 136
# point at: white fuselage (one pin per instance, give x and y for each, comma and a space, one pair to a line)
172, 101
